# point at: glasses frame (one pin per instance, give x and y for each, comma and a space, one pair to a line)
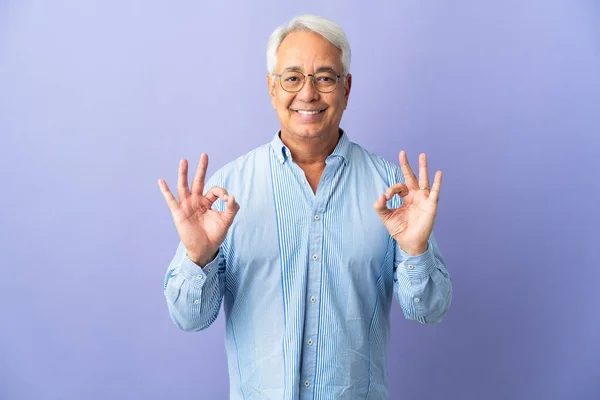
313, 79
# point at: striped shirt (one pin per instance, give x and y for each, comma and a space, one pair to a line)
307, 279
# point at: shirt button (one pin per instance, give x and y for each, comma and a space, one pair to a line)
210, 269
195, 301
306, 383
410, 266
315, 257
417, 299
199, 276
313, 299
310, 342
317, 217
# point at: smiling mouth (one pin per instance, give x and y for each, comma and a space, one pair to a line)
308, 112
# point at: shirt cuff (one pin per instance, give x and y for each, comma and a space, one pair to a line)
196, 275
418, 267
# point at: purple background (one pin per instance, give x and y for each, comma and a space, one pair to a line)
98, 99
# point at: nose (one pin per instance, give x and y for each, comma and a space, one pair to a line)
308, 92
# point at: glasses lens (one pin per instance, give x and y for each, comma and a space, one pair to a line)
292, 81
325, 81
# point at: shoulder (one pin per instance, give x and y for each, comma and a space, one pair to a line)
386, 169
241, 168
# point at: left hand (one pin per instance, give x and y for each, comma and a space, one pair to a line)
411, 224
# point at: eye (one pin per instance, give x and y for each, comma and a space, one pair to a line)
291, 79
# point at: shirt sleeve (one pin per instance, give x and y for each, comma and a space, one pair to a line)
194, 294
422, 284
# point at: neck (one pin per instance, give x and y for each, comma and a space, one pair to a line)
311, 151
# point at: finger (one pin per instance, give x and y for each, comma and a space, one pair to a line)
169, 198
409, 175
435, 189
423, 172
198, 182
216, 193
399, 188
231, 209
182, 181
380, 206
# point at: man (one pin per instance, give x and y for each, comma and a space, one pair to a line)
289, 236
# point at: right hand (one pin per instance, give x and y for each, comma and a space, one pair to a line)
201, 229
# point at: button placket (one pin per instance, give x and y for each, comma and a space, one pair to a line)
314, 267
316, 272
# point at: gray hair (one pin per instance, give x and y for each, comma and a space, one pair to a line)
329, 30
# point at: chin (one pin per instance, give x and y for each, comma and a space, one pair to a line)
308, 132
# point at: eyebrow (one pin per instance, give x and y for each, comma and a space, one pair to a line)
321, 69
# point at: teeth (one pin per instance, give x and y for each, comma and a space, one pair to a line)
303, 112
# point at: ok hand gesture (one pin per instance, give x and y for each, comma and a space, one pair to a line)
201, 229
411, 224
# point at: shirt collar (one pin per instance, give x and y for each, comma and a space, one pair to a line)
342, 149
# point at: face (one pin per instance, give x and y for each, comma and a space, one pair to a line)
309, 114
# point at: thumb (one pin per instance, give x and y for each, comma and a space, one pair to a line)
231, 209
381, 208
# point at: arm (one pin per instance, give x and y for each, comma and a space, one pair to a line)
422, 284
194, 294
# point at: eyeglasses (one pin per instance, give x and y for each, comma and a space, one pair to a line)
293, 81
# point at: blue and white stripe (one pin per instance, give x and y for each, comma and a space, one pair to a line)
307, 279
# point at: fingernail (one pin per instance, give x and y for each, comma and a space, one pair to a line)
225, 198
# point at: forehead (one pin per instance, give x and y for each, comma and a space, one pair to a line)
307, 50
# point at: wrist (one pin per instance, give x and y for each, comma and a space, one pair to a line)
413, 250
202, 261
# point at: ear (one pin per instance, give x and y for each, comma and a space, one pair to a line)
271, 88
347, 88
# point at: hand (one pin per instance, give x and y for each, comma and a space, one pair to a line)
201, 229
411, 224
